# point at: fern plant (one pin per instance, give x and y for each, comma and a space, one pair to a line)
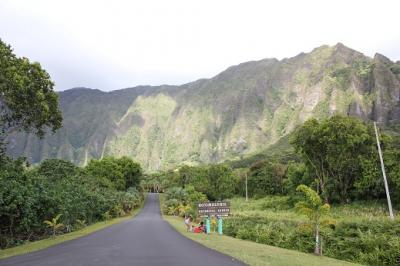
54, 224
316, 211
81, 223
106, 216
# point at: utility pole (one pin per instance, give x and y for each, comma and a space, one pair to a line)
247, 196
384, 173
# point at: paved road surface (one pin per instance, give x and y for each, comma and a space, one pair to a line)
145, 240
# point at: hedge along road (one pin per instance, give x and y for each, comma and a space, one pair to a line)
145, 240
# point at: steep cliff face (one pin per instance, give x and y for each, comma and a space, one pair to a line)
240, 111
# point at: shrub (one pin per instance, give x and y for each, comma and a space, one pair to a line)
366, 242
182, 201
54, 189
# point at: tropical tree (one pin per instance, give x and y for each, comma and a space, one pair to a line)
192, 175
117, 173
57, 169
220, 181
152, 183
313, 207
54, 224
297, 174
333, 150
27, 99
370, 184
131, 171
266, 178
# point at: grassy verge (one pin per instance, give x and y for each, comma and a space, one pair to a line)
250, 252
253, 253
48, 242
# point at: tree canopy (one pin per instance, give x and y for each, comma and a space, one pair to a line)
117, 173
340, 152
27, 99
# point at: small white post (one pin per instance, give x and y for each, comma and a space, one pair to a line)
384, 173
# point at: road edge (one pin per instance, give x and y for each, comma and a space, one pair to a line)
49, 242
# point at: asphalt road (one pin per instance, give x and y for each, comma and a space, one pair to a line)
144, 240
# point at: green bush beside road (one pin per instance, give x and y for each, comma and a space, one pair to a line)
45, 243
29, 196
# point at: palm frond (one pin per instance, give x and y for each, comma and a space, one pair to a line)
49, 223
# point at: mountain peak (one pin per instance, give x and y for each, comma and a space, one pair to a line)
341, 48
381, 58
340, 45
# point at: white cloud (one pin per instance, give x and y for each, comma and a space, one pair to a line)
116, 44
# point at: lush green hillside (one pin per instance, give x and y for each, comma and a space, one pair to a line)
239, 112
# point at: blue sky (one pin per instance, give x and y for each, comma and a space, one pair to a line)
116, 44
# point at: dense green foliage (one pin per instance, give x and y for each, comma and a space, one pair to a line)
27, 99
341, 154
333, 151
217, 181
336, 161
266, 178
188, 186
362, 233
182, 201
117, 173
55, 188
155, 182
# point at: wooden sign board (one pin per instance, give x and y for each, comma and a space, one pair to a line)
215, 208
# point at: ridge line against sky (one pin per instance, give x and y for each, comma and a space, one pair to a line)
216, 74
108, 46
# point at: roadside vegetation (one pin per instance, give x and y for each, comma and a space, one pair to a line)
252, 253
51, 241
328, 199
55, 197
361, 232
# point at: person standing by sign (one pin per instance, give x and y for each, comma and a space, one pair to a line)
188, 223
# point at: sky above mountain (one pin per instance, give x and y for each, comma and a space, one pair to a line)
116, 44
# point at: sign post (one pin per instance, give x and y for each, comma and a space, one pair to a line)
208, 225
217, 209
220, 226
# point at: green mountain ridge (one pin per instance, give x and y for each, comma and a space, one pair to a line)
241, 111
